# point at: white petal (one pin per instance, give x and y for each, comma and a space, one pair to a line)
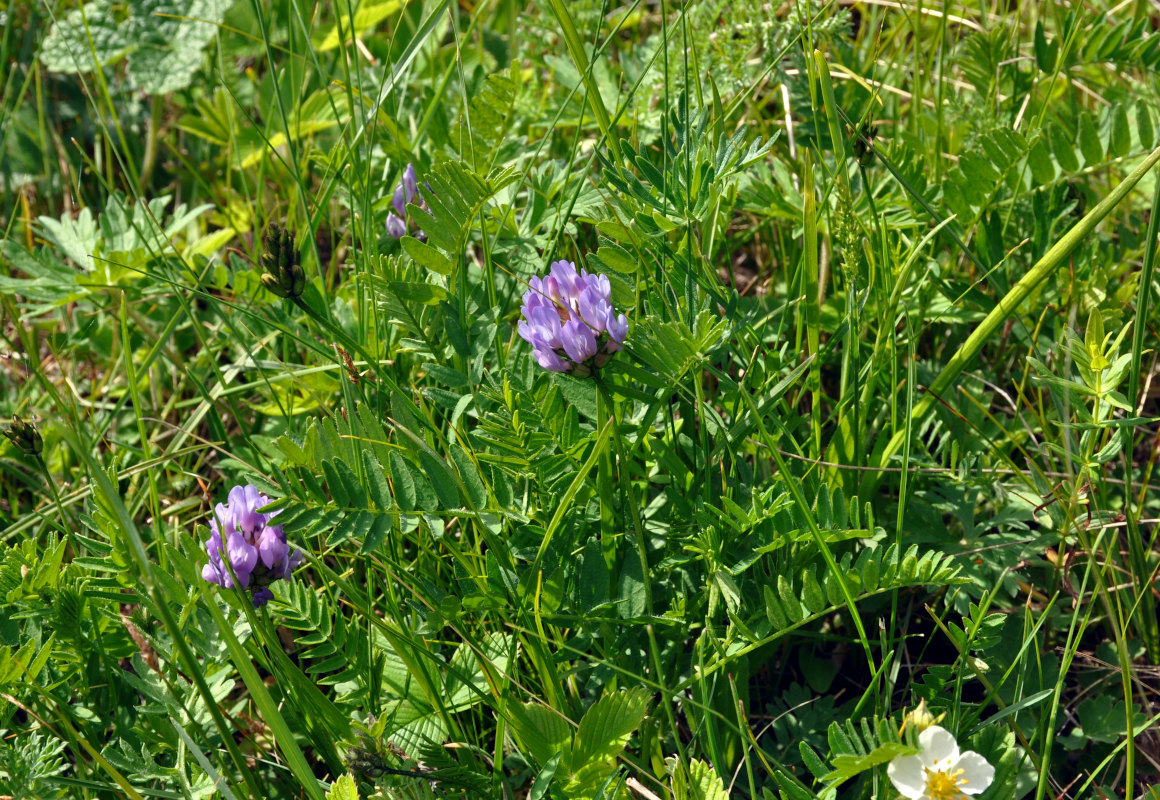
939, 748
977, 773
905, 772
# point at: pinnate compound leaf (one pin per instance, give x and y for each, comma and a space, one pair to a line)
489, 115
455, 196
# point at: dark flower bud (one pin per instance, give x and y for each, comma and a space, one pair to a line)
863, 141
282, 274
24, 436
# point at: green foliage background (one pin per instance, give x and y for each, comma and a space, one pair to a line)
882, 431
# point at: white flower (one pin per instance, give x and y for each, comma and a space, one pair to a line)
940, 771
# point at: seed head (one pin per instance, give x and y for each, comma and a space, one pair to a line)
282, 274
24, 436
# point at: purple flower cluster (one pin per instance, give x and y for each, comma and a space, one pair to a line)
405, 193
569, 320
256, 550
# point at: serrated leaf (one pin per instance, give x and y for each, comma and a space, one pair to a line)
344, 788
544, 731
68, 48
847, 766
467, 684
702, 781
78, 238
606, 726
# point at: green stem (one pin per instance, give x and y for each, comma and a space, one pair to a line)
149, 159
604, 487
630, 496
580, 57
56, 499
1136, 551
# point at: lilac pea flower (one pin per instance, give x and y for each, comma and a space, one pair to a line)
243, 556
292, 563
550, 361
563, 273
617, 328
245, 502
396, 226
545, 324
272, 546
579, 341
410, 185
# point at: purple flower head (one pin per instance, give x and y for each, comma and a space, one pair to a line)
568, 319
253, 550
406, 193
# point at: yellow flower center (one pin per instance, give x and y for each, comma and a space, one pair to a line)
945, 785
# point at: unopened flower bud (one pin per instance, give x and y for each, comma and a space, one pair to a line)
921, 717
24, 436
282, 275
